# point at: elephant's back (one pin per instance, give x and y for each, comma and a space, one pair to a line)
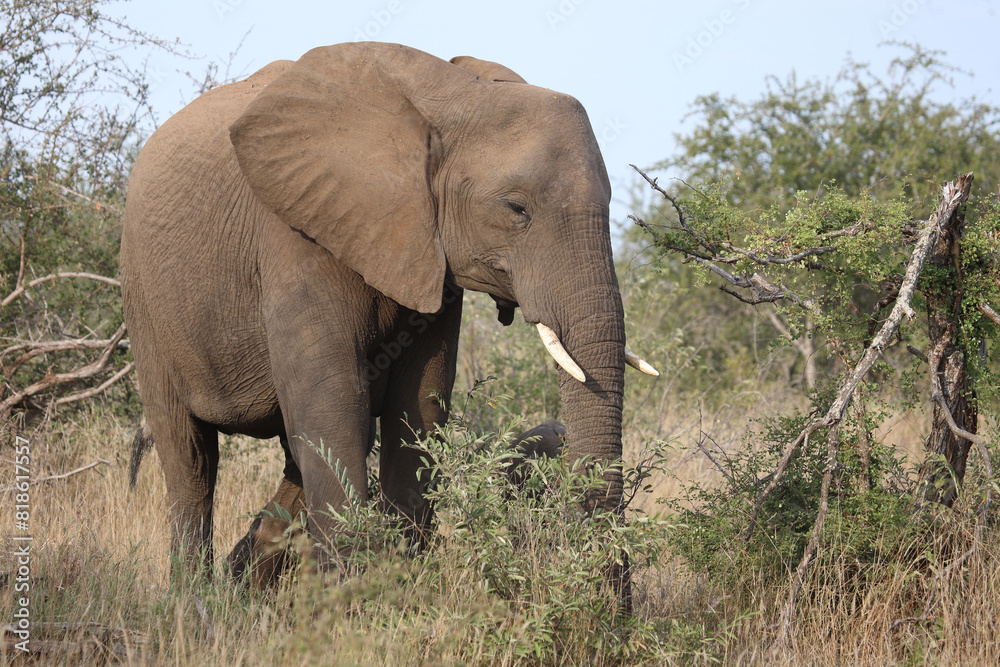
188, 205
190, 156
196, 138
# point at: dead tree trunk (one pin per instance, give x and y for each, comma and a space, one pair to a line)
951, 387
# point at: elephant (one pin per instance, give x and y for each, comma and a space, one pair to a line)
294, 254
545, 440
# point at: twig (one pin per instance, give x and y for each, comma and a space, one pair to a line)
712, 459
21, 288
770, 259
97, 204
673, 201
53, 478
20, 271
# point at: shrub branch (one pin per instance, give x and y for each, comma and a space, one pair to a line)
954, 194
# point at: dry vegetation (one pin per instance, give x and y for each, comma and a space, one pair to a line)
101, 589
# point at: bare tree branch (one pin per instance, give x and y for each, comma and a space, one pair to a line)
98, 366
53, 478
21, 288
653, 183
94, 391
35, 349
985, 309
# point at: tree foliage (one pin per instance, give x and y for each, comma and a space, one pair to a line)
72, 112
808, 203
862, 131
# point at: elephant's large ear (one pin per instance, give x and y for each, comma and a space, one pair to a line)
336, 149
487, 70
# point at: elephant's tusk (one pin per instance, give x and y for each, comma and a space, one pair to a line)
635, 361
559, 353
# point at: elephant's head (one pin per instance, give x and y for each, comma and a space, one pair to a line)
414, 171
543, 441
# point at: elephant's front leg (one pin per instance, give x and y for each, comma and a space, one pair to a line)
417, 400
325, 406
331, 455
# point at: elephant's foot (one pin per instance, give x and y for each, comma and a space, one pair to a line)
264, 549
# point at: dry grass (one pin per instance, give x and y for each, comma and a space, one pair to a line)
101, 589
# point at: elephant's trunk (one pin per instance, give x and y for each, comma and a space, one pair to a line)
584, 309
592, 410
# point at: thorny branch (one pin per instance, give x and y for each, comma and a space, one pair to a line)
764, 290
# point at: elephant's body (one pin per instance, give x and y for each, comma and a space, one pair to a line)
271, 298
294, 252
267, 303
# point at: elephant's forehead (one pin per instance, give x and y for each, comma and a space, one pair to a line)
535, 107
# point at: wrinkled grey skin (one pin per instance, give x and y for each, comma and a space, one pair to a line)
294, 254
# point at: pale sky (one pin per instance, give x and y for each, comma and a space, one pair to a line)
635, 64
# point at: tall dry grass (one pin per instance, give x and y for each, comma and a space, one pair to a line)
101, 590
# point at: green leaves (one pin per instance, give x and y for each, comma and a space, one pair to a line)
524, 569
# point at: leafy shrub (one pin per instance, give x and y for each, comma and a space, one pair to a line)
506, 576
870, 514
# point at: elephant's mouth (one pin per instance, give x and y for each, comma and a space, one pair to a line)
505, 310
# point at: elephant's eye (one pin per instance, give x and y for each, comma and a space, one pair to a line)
520, 210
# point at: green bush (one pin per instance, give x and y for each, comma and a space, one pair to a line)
506, 576
870, 517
